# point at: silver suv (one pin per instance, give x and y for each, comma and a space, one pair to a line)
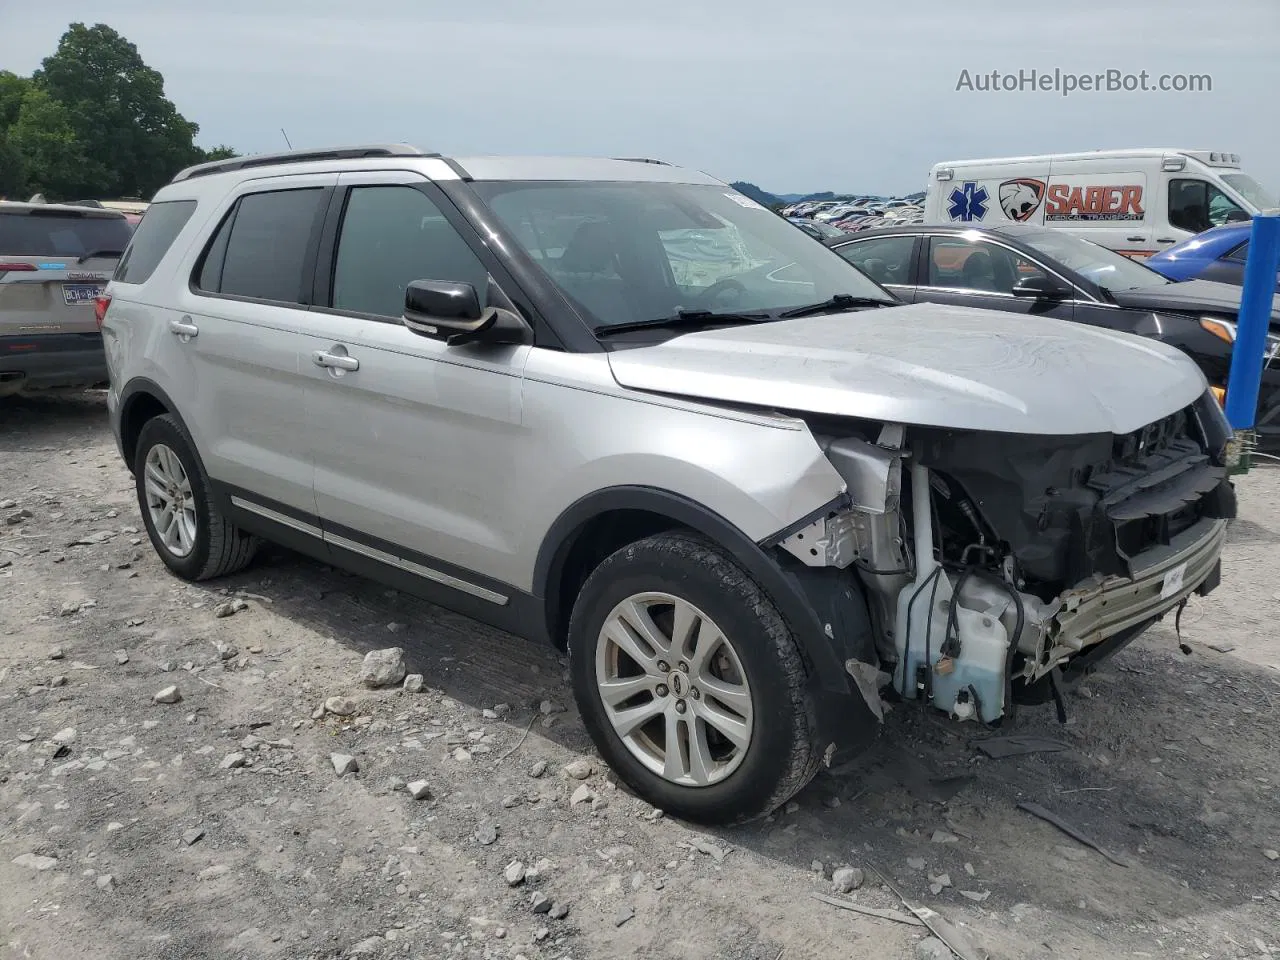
55, 260
620, 407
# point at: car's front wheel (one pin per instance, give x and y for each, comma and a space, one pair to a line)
690, 681
187, 529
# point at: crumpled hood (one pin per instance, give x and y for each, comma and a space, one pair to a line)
927, 364
1191, 296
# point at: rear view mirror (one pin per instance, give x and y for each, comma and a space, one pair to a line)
1041, 287
451, 311
1237, 216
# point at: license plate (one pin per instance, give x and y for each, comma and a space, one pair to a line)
1173, 581
81, 292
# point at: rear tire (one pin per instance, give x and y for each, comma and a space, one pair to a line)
186, 528
670, 629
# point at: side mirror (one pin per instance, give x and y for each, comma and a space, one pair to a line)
450, 311
1237, 216
1041, 287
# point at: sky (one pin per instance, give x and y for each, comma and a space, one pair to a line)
794, 96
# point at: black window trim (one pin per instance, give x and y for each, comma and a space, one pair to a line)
1234, 252
257, 187
327, 253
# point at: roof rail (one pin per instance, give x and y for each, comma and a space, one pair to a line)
300, 156
661, 163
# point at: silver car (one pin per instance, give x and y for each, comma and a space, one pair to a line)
55, 261
620, 407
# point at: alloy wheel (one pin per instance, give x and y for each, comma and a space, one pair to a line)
674, 689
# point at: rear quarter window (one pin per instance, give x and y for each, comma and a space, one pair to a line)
61, 233
152, 239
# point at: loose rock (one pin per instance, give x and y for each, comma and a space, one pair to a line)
57, 653
192, 836
462, 756
122, 657
343, 763
227, 651
559, 910
540, 902
514, 874
622, 916
232, 761
59, 681
169, 694
382, 668
33, 861
414, 683
846, 879
577, 770
583, 794
419, 789
105, 881
538, 769
486, 834
340, 706
229, 608
1271, 854
942, 836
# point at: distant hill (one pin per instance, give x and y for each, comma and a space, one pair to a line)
756, 194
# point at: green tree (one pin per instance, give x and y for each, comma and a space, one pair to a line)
220, 152
132, 136
13, 173
55, 160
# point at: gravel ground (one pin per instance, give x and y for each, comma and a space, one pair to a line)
220, 825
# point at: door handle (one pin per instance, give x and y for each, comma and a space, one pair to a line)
1166, 240
1138, 239
184, 328
334, 361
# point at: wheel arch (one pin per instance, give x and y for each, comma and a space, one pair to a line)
141, 400
608, 519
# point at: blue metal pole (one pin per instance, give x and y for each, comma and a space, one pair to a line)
1254, 321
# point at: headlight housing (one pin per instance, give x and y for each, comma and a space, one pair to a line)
1225, 330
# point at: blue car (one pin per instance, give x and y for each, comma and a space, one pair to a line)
1216, 254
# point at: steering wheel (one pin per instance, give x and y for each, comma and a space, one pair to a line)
725, 285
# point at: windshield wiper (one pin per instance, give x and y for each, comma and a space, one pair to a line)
93, 254
841, 301
682, 318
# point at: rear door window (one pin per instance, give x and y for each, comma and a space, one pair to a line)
62, 233
260, 251
152, 239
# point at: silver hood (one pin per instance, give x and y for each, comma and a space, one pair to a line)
928, 364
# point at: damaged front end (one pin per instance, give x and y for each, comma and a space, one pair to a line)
994, 564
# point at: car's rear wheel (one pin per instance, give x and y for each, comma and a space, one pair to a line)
690, 681
186, 528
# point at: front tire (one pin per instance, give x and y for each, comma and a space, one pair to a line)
690, 682
186, 528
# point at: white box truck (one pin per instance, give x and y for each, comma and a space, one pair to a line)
1136, 202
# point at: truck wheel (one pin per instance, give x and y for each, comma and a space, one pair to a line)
188, 531
690, 682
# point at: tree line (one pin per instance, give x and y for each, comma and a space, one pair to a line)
92, 123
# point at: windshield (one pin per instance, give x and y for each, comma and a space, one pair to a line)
1105, 267
634, 252
1252, 191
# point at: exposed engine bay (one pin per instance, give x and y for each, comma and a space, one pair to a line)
996, 564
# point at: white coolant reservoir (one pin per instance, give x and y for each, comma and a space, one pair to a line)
972, 684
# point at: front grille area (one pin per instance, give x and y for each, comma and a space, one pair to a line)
1070, 508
